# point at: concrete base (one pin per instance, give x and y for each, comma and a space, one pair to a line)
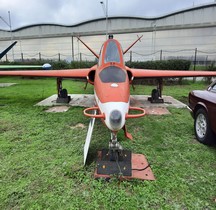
7, 84
58, 109
83, 100
169, 101
87, 100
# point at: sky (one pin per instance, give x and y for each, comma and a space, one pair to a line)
69, 12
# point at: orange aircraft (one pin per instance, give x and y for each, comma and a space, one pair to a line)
111, 80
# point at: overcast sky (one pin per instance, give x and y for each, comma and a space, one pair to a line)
68, 12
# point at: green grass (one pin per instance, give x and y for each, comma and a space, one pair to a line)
41, 155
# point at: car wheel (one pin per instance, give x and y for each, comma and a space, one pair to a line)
202, 128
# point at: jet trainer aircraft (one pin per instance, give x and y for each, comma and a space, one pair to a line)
111, 80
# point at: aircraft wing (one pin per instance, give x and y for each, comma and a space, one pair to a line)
149, 73
4, 67
69, 73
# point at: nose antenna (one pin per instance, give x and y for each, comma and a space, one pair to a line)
110, 36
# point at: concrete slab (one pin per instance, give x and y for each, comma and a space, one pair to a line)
87, 100
169, 101
83, 100
7, 84
156, 110
58, 109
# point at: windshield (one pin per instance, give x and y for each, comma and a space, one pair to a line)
112, 74
112, 52
213, 88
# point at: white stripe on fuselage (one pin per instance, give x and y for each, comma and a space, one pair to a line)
108, 107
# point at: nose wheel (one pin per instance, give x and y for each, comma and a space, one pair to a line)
115, 148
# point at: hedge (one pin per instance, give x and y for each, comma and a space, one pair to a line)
162, 65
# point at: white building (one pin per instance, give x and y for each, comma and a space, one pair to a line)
173, 35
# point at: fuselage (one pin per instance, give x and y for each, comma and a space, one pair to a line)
111, 85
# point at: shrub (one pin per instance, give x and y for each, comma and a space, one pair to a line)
211, 67
161, 65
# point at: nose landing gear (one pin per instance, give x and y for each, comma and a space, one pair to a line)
115, 148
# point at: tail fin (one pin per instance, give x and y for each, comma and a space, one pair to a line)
139, 38
94, 53
3, 53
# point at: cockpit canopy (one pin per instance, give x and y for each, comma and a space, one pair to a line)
112, 74
112, 52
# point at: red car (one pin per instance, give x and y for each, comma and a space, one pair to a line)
202, 104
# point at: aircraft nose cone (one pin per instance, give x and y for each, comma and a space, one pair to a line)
116, 119
46, 66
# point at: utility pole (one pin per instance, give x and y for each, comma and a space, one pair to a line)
105, 9
195, 60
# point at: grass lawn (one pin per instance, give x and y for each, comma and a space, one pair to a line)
41, 155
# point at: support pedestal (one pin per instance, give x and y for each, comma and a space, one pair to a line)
128, 168
62, 93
